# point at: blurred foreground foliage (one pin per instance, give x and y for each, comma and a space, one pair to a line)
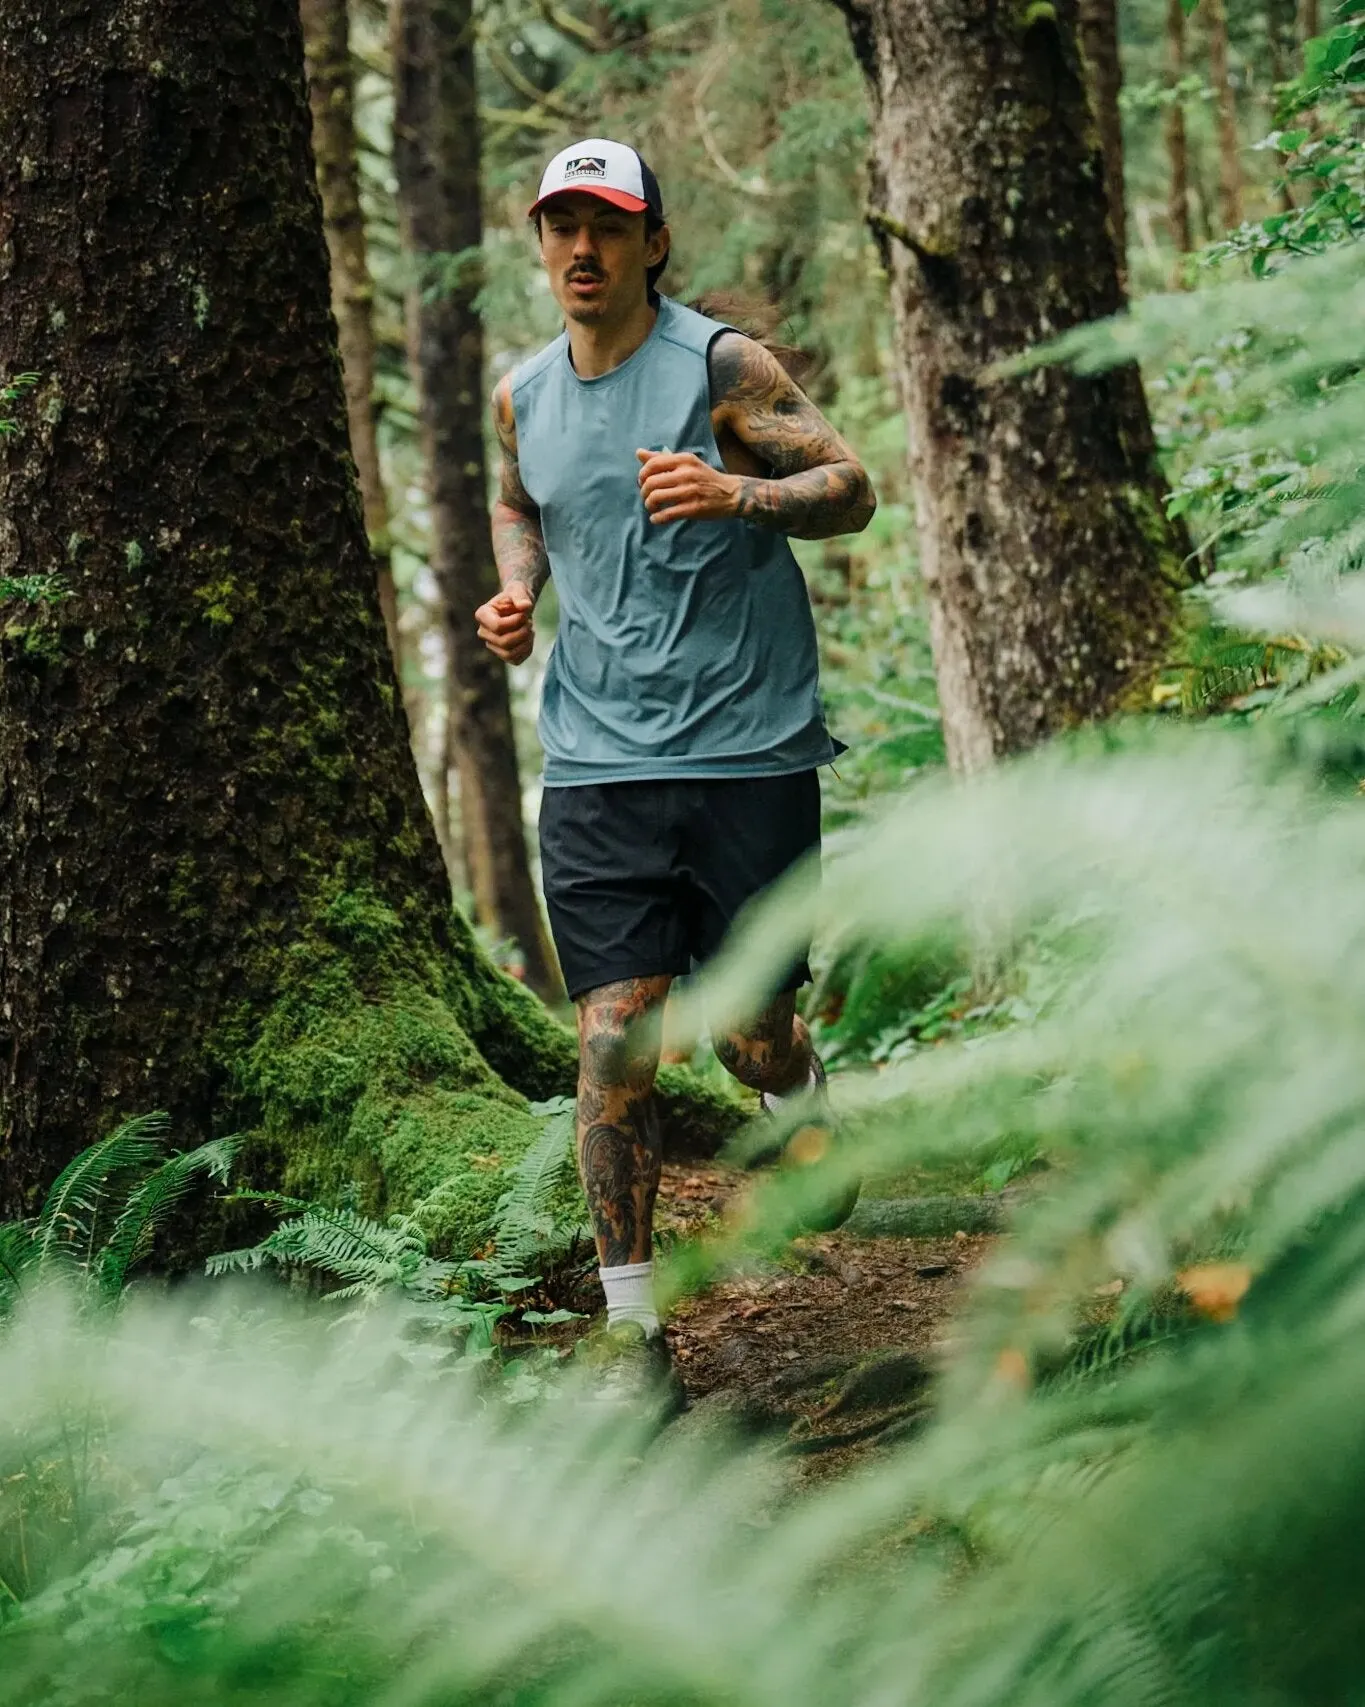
213, 1495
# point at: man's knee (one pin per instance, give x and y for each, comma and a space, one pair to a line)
619, 1032
764, 1054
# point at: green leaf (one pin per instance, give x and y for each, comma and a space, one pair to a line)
150, 1204
69, 1221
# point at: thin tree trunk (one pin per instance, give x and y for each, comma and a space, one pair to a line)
1225, 107
1177, 141
1050, 565
1310, 20
1280, 34
220, 892
331, 95
1100, 51
436, 160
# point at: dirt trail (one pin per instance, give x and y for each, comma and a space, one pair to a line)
834, 1350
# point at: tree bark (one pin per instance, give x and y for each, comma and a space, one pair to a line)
1225, 107
1177, 141
220, 892
331, 96
1100, 51
436, 161
1310, 20
1050, 565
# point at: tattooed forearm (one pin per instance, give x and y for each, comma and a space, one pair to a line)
619, 1148
818, 503
519, 548
817, 487
518, 541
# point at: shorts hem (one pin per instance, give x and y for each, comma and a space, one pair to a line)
612, 975
794, 979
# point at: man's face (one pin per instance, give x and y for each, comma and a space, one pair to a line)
597, 256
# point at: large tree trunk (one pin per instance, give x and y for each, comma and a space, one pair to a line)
1050, 565
1177, 140
436, 162
1225, 107
220, 893
1104, 75
331, 95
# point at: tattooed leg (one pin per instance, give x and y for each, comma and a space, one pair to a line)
619, 1148
771, 1053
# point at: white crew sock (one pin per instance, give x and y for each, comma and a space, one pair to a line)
630, 1295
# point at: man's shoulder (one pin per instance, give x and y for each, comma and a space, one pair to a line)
689, 328
535, 366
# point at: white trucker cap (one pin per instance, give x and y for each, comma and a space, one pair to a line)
610, 170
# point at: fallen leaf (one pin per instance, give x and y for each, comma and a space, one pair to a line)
1012, 1367
1215, 1288
808, 1146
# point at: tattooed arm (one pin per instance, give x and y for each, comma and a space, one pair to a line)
505, 624
814, 487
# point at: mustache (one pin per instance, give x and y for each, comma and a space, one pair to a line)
585, 270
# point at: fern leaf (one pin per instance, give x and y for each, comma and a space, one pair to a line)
340, 1243
524, 1223
18, 1254
152, 1202
69, 1221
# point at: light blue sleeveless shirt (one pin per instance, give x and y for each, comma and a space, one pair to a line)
685, 649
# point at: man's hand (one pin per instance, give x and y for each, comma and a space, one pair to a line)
679, 486
505, 624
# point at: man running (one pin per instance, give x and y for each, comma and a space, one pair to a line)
654, 462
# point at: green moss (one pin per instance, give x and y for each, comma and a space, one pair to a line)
1155, 527
364, 1083
182, 892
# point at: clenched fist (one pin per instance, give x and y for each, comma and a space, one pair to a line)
505, 624
679, 486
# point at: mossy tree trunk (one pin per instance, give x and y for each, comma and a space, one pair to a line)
220, 891
331, 96
436, 164
1050, 565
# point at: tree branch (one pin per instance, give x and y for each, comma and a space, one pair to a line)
754, 187
502, 63
568, 25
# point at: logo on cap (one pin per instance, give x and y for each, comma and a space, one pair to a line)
585, 166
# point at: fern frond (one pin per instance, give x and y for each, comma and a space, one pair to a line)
18, 1255
152, 1201
525, 1224
352, 1248
69, 1221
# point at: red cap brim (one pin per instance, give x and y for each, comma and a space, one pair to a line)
617, 198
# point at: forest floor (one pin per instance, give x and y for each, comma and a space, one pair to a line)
832, 1350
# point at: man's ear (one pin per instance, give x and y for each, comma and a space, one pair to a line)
657, 246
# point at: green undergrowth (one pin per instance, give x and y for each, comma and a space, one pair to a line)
394, 1079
